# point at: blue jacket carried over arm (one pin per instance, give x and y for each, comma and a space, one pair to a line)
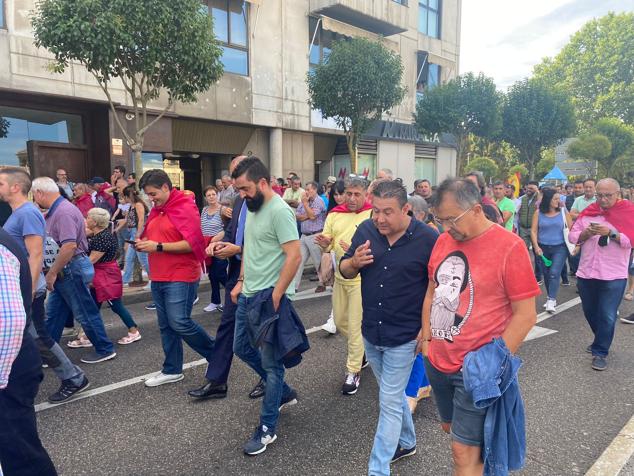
282, 329
490, 375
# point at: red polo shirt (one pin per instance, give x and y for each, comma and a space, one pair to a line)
172, 267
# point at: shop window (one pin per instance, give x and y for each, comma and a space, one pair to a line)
172, 168
425, 169
231, 29
429, 17
428, 75
18, 126
366, 166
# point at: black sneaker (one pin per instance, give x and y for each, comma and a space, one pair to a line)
95, 358
151, 307
628, 320
262, 437
68, 390
401, 453
364, 362
258, 390
589, 349
351, 384
290, 399
565, 283
599, 363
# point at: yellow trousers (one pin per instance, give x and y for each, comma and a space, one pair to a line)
347, 311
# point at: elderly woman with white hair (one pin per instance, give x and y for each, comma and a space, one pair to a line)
107, 284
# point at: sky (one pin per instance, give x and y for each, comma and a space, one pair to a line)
505, 39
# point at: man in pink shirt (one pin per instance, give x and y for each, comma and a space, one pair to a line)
605, 230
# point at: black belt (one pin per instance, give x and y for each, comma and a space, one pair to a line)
311, 233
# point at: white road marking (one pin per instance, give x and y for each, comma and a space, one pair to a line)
617, 454
535, 333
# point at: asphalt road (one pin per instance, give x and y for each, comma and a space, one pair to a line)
572, 412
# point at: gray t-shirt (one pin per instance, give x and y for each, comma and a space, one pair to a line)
65, 223
25, 221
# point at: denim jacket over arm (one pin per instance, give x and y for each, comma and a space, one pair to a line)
490, 376
282, 329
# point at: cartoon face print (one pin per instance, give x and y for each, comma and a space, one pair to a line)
452, 277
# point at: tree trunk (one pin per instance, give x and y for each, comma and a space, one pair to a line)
138, 160
353, 150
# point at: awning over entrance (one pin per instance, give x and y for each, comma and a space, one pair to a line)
209, 137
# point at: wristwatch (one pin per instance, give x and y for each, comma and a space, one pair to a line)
613, 234
159, 247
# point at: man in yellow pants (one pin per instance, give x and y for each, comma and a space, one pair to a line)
341, 223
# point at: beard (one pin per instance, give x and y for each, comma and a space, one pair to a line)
255, 203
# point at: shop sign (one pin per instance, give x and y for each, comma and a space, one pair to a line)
117, 147
406, 132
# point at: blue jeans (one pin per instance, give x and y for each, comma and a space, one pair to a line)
128, 268
600, 301
558, 254
50, 351
392, 367
264, 363
72, 295
174, 302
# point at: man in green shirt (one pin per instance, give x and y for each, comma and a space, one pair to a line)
506, 205
588, 198
270, 258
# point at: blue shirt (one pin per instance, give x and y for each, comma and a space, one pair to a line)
393, 287
550, 230
25, 221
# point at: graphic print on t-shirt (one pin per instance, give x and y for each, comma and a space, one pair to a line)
451, 307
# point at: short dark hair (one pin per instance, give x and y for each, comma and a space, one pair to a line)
579, 182
132, 174
120, 168
464, 191
155, 178
533, 182
590, 180
313, 184
511, 186
254, 169
497, 183
18, 175
391, 189
547, 196
209, 187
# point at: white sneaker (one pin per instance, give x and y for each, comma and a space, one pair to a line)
551, 304
211, 307
161, 378
196, 301
330, 326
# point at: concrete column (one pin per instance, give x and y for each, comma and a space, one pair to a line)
276, 152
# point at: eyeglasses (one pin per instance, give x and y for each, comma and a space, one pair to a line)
604, 195
451, 221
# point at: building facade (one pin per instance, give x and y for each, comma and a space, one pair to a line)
260, 105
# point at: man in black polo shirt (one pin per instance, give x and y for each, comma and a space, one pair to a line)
391, 252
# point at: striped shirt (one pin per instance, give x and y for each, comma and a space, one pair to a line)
12, 314
211, 225
319, 209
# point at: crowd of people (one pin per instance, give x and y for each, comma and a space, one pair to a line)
418, 292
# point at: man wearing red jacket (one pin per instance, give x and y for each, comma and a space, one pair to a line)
176, 247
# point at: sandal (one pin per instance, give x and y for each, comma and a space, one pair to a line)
130, 338
79, 343
628, 297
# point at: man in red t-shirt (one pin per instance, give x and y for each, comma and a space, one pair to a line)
476, 292
176, 247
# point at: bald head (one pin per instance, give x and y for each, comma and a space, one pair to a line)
607, 192
610, 183
235, 162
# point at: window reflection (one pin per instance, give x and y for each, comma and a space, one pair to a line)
230, 28
429, 17
18, 126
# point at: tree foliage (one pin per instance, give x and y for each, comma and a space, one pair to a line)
590, 147
465, 105
356, 84
487, 166
536, 116
621, 137
597, 68
154, 47
544, 166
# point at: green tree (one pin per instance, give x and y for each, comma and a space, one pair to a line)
544, 166
536, 116
356, 84
153, 48
597, 69
487, 166
621, 137
463, 106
